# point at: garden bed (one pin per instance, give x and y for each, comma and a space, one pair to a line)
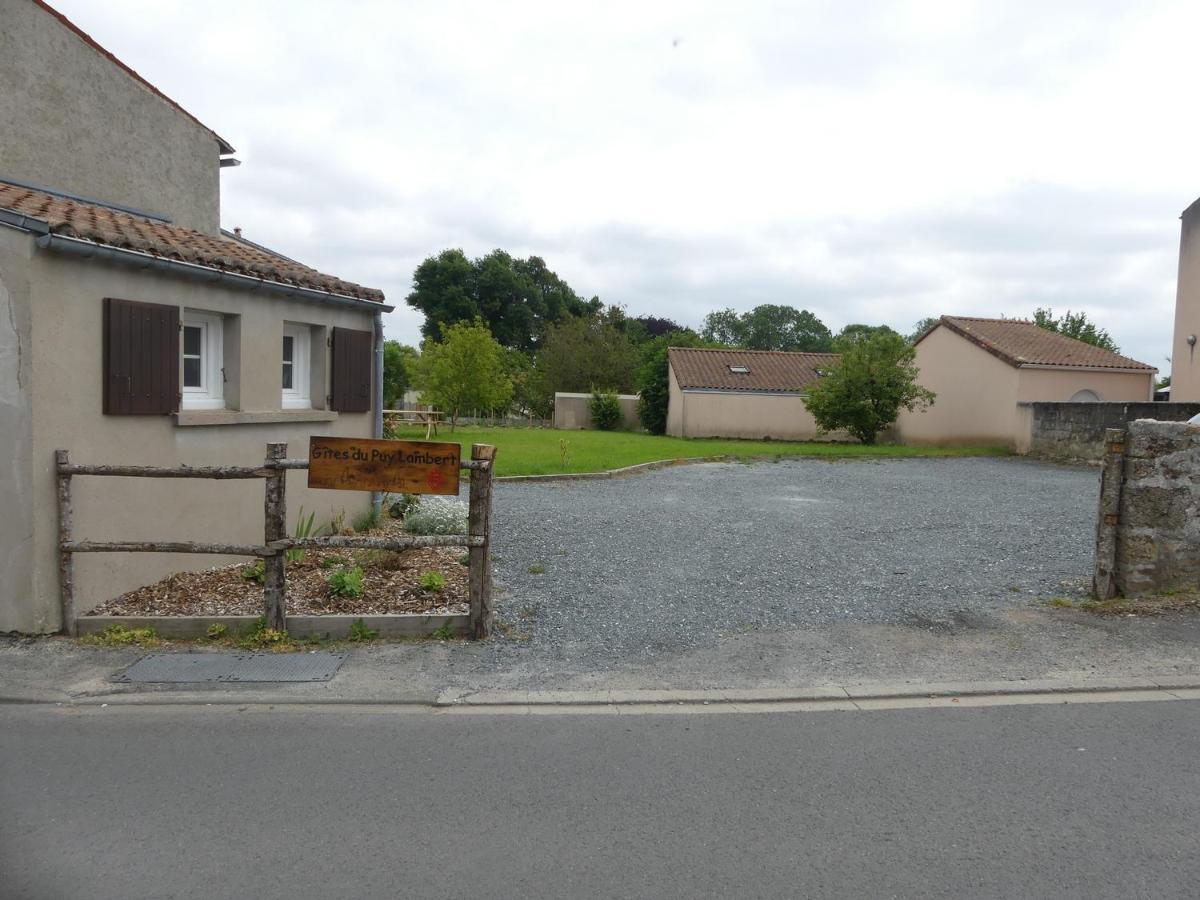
393, 583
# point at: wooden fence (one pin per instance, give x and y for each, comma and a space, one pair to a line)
275, 543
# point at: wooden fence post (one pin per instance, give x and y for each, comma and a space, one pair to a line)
479, 524
275, 529
66, 562
1112, 477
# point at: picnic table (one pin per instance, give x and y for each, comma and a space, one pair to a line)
430, 418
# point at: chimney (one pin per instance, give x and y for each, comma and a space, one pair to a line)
237, 230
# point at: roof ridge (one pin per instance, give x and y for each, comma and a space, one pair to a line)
763, 352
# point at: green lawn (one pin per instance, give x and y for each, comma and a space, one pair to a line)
535, 451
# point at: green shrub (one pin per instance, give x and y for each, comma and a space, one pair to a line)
345, 582
433, 581
605, 408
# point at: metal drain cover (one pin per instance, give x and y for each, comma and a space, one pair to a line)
182, 668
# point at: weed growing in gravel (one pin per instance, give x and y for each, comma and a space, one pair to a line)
433, 581
216, 631
345, 582
359, 632
537, 569
120, 636
1061, 602
256, 572
442, 634
464, 560
438, 515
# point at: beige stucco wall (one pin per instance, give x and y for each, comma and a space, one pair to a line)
64, 357
1185, 358
74, 121
573, 411
978, 394
674, 405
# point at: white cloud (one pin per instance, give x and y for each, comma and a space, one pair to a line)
869, 161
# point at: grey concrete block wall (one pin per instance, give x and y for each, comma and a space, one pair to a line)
1158, 533
1075, 431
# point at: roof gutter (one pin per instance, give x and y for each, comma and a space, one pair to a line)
91, 250
16, 220
1127, 370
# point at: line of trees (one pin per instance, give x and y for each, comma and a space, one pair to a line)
503, 333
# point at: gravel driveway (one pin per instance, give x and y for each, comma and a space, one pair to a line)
676, 559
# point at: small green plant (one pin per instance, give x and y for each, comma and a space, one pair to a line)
433, 581
403, 505
368, 520
304, 529
537, 569
465, 559
256, 572
259, 637
120, 636
216, 631
345, 582
359, 632
1061, 602
337, 525
442, 634
330, 562
605, 408
564, 451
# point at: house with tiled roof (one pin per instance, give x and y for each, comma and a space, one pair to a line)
986, 373
743, 393
134, 330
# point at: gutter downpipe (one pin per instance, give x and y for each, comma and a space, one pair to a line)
377, 497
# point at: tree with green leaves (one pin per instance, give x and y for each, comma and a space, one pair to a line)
580, 355
922, 327
465, 371
654, 380
1075, 325
768, 327
516, 298
399, 367
857, 332
865, 391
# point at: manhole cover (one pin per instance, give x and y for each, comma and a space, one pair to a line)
233, 667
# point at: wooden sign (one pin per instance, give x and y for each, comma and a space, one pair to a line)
402, 467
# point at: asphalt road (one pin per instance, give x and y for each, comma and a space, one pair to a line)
1024, 801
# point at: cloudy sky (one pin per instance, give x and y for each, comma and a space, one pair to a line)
871, 162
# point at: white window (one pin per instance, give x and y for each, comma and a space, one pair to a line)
296, 342
203, 362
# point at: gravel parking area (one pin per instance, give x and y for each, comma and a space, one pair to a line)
676, 559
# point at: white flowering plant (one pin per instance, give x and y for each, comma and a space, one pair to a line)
437, 515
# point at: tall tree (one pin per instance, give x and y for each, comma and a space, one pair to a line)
465, 371
516, 298
582, 354
1075, 325
653, 377
921, 327
865, 391
399, 367
857, 332
768, 327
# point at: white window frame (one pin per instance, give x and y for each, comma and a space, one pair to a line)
298, 395
210, 394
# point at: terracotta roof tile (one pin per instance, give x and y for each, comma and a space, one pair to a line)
1019, 342
73, 218
769, 370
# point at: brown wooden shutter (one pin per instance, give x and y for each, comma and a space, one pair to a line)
351, 370
141, 358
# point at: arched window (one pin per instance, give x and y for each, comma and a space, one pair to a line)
1085, 396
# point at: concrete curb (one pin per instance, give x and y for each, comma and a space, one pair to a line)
812, 696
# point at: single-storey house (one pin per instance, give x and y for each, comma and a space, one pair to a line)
985, 372
742, 393
133, 330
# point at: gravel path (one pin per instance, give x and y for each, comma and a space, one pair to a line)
673, 560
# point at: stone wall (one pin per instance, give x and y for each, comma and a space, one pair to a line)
1075, 431
1155, 534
